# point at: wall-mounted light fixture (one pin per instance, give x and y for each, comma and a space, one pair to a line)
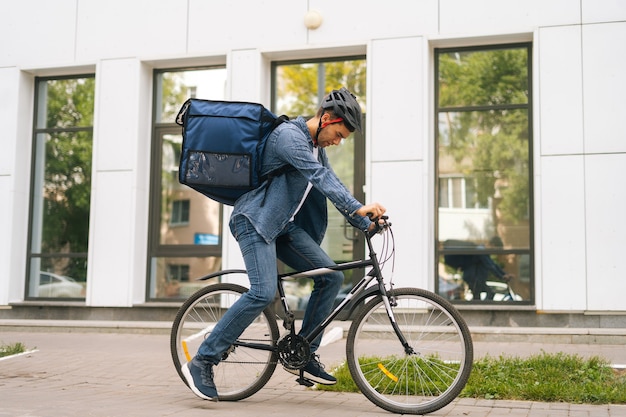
312, 19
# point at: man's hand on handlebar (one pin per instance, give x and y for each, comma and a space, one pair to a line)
373, 210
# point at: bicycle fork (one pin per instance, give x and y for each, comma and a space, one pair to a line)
389, 303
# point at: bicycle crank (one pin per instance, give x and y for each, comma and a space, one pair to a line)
294, 351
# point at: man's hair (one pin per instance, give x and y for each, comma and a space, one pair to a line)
322, 110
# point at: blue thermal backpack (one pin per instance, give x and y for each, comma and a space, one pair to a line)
222, 150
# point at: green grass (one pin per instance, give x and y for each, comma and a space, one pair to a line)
548, 378
545, 377
11, 349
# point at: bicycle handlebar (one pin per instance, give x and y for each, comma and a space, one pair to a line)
379, 226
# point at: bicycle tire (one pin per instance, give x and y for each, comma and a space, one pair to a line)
417, 383
244, 371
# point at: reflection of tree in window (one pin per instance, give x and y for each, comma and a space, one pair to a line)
484, 124
483, 152
300, 93
66, 169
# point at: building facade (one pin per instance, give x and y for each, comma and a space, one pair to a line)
484, 119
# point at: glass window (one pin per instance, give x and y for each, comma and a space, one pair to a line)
61, 188
484, 138
298, 90
186, 227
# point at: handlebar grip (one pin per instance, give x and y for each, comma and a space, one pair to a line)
372, 218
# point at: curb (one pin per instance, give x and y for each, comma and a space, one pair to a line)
568, 335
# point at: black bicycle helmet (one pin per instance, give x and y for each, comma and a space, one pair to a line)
343, 104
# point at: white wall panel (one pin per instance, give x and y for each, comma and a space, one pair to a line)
497, 16
358, 20
560, 90
595, 11
8, 118
606, 231
562, 217
110, 245
16, 111
243, 76
604, 66
37, 33
6, 217
217, 26
121, 28
396, 99
400, 187
117, 108
119, 210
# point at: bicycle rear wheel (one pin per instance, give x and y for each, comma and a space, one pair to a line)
243, 370
423, 380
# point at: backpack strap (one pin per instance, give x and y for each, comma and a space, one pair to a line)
279, 171
280, 119
270, 177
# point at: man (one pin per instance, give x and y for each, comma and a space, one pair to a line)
286, 218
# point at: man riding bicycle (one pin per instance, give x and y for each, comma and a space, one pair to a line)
286, 218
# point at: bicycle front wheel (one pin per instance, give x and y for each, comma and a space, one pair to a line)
426, 374
243, 370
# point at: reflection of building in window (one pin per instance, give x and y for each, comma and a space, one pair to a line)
180, 212
178, 272
460, 192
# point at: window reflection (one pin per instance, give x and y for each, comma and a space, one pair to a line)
186, 226
61, 188
484, 170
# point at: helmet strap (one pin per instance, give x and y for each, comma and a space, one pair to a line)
330, 122
321, 126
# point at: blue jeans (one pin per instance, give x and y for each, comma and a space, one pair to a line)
295, 248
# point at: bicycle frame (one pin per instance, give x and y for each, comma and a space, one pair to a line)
359, 292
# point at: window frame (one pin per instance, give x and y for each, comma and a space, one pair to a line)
30, 255
439, 251
156, 249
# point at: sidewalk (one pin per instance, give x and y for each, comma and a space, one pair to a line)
86, 373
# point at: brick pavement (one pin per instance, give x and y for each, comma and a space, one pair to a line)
76, 373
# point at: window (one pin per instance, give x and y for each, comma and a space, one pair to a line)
180, 212
298, 89
460, 192
178, 273
185, 226
60, 187
484, 170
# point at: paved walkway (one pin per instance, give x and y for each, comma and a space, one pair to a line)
78, 374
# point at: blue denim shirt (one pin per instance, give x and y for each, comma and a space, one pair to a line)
292, 144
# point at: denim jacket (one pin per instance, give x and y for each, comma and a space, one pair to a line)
291, 143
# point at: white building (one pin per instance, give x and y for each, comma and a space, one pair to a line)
574, 232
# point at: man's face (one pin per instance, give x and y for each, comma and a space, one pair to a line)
332, 134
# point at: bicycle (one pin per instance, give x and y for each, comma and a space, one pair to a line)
408, 350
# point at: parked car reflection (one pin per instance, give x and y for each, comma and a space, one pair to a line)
59, 286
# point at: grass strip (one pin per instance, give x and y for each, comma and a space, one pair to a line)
556, 377
546, 377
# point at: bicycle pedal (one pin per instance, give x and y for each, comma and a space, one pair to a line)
305, 382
